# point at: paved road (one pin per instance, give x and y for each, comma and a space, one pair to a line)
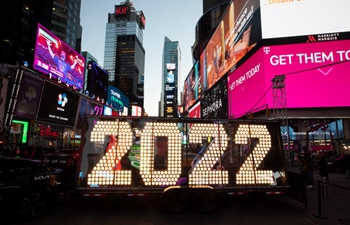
266, 210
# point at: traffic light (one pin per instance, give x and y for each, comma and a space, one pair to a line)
268, 112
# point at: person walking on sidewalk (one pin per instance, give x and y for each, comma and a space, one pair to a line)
322, 164
347, 165
310, 169
303, 170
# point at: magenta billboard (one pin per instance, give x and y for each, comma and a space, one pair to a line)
58, 61
316, 76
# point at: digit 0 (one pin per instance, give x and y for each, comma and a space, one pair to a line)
169, 133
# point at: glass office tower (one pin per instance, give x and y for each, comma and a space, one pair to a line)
171, 61
124, 55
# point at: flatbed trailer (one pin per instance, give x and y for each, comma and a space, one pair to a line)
182, 160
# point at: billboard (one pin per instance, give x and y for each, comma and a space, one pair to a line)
315, 77
295, 18
246, 86
58, 105
88, 107
3, 91
28, 96
116, 99
136, 110
214, 103
195, 111
58, 61
316, 73
97, 83
238, 32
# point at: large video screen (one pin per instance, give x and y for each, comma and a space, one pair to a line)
295, 18
315, 76
29, 96
97, 83
58, 105
88, 107
117, 99
57, 60
238, 32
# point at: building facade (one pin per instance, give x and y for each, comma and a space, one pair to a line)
253, 68
171, 61
66, 22
124, 55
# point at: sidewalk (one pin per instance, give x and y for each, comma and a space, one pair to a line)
333, 205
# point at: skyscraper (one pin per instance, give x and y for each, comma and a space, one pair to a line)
171, 61
66, 22
124, 56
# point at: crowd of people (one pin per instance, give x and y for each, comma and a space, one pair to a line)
308, 164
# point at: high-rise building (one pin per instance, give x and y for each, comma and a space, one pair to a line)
66, 22
19, 21
171, 61
124, 56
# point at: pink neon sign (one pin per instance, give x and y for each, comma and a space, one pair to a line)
316, 76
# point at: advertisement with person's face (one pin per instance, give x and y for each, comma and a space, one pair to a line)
315, 76
189, 95
214, 103
307, 17
57, 60
236, 35
58, 105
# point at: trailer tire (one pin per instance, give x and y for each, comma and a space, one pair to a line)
206, 201
174, 201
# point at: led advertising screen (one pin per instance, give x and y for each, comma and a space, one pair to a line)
117, 99
195, 111
238, 32
192, 88
58, 105
108, 111
28, 96
295, 18
3, 91
58, 61
97, 83
214, 103
88, 107
246, 86
316, 73
136, 110
315, 76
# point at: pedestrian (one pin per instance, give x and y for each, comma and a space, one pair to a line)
310, 169
347, 165
303, 169
322, 164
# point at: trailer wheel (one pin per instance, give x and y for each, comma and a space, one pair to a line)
206, 201
174, 201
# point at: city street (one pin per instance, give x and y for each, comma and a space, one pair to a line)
335, 209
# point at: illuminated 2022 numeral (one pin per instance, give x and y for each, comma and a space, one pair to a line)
169, 176
106, 172
203, 173
248, 173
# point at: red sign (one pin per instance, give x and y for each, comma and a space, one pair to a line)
46, 131
121, 10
